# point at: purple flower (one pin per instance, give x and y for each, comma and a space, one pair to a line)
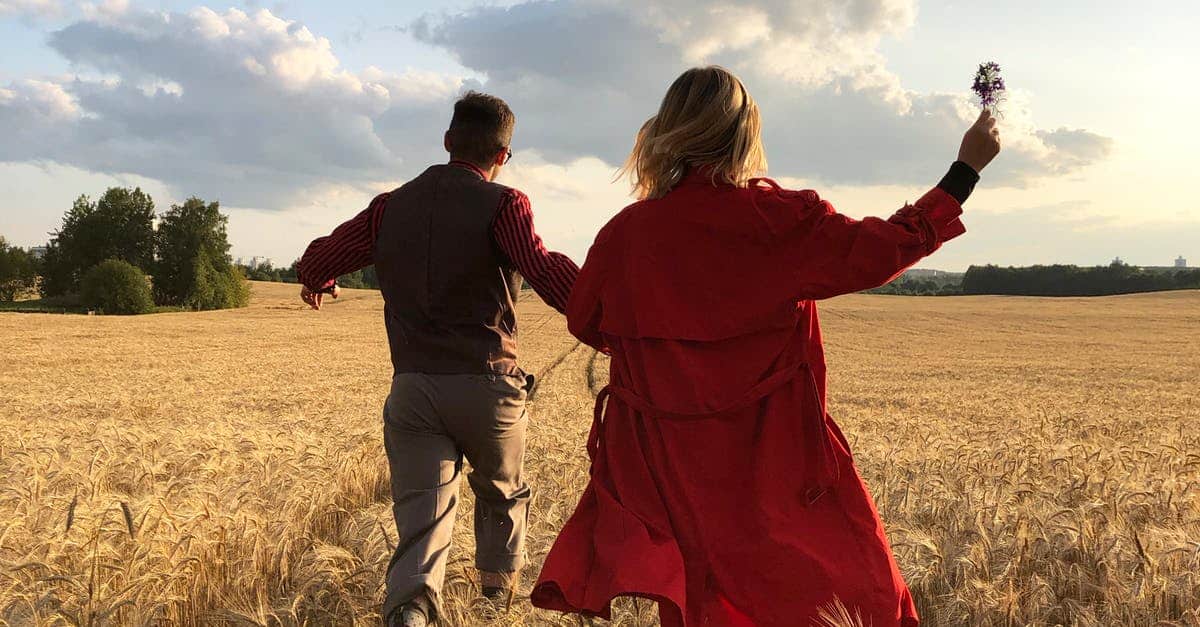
988, 85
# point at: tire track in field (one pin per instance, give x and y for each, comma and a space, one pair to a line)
557, 463
593, 384
537, 323
545, 372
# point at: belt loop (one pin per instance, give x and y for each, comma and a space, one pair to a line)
593, 441
831, 471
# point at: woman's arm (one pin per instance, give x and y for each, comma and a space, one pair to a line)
959, 181
585, 307
844, 255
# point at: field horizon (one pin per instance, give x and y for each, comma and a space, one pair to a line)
1035, 460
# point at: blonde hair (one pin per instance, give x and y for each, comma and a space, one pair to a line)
707, 119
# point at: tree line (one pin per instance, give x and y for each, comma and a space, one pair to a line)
1047, 280
364, 279
1067, 280
912, 286
1055, 280
109, 255
359, 279
18, 271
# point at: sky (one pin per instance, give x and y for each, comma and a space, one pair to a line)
294, 114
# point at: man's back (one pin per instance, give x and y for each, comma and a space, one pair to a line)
447, 248
450, 294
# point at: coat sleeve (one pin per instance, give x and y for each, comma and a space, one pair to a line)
841, 255
585, 307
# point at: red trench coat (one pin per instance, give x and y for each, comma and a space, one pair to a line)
719, 485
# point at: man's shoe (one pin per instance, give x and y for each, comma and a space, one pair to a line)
495, 594
413, 617
497, 587
409, 615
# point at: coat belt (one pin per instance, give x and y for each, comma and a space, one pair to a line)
830, 469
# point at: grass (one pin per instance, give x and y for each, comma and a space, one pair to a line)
1036, 461
64, 305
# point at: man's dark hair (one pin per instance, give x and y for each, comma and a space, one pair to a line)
481, 126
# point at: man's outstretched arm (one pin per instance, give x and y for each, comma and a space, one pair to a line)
350, 247
550, 274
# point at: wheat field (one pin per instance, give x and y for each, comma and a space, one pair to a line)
1036, 461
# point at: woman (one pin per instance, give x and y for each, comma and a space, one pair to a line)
719, 485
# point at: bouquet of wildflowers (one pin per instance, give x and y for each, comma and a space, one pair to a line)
989, 86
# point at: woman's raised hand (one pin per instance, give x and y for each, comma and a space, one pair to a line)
981, 142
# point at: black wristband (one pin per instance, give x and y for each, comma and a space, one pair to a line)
959, 181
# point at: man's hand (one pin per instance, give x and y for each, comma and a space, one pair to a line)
981, 142
313, 299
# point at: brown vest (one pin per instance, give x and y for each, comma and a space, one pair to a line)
449, 294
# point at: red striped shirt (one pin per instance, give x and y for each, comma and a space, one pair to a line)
350, 247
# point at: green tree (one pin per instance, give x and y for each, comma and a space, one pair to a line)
194, 269
116, 287
360, 279
288, 274
263, 272
58, 275
120, 225
370, 278
354, 280
18, 271
216, 285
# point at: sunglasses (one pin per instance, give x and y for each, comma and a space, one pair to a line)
508, 155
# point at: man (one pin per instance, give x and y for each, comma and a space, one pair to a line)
450, 248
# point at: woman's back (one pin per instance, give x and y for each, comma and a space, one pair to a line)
712, 270
715, 443
720, 487
721, 261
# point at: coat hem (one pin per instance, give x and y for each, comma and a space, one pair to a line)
549, 595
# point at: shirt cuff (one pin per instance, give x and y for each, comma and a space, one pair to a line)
323, 288
938, 213
959, 181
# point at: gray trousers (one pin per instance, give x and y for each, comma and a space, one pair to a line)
430, 423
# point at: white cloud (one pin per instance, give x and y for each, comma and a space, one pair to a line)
587, 73
36, 194
30, 8
106, 10
571, 200
249, 108
258, 112
40, 100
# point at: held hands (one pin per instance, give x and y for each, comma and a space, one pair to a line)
313, 299
981, 142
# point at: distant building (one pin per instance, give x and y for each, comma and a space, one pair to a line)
255, 262
927, 273
1181, 262
1117, 261
37, 252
